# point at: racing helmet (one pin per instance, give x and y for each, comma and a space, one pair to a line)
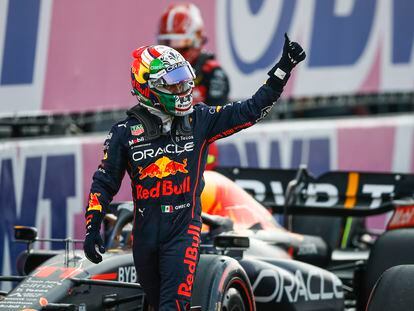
181, 27
162, 79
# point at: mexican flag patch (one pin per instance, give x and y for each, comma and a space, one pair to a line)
137, 130
167, 208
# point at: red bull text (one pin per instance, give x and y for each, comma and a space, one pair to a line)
163, 188
190, 259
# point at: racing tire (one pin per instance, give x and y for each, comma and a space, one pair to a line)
391, 249
222, 284
401, 280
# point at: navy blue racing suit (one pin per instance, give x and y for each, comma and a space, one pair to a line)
166, 179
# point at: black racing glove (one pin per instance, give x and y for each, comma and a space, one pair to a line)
93, 240
292, 54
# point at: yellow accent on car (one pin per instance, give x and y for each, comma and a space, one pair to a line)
211, 159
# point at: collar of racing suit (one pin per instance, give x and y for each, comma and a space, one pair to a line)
157, 123
165, 119
181, 124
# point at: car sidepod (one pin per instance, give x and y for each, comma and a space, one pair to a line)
292, 285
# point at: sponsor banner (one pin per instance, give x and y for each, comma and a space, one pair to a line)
365, 144
370, 44
370, 48
58, 65
45, 182
383, 144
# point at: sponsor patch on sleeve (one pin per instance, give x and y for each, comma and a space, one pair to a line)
280, 73
137, 130
94, 204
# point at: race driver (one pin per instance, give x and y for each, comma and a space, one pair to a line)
181, 27
163, 145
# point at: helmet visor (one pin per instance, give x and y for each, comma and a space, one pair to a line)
177, 75
178, 88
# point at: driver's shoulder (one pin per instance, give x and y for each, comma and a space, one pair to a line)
124, 126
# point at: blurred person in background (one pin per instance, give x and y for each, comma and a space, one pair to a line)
181, 27
163, 145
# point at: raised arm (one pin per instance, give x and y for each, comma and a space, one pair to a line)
231, 118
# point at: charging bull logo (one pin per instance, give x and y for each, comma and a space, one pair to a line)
163, 167
94, 204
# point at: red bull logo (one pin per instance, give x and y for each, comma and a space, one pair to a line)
163, 167
163, 188
94, 204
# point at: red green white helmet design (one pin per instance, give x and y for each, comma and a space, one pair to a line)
162, 79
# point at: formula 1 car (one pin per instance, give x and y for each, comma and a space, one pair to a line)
335, 205
247, 262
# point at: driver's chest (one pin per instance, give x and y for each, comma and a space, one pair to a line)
164, 158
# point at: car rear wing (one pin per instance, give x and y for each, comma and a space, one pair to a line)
336, 193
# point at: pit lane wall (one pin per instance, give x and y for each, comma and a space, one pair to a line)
45, 182
352, 46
